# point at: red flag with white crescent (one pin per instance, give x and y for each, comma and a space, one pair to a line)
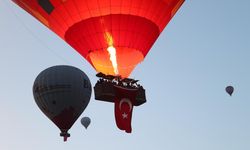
124, 102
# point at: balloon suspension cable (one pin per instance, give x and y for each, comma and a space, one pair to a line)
65, 135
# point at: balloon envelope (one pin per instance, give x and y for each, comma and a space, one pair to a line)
230, 90
101, 30
62, 93
85, 121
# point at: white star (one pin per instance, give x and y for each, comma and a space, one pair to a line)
124, 115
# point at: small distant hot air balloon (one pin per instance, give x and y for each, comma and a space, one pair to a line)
230, 90
62, 93
85, 121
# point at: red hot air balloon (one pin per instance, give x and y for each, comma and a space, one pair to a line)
112, 35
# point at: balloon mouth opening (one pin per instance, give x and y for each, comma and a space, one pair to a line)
123, 62
65, 135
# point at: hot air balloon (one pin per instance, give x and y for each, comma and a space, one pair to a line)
112, 35
85, 121
230, 90
62, 93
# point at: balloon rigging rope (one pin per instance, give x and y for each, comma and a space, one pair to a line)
36, 37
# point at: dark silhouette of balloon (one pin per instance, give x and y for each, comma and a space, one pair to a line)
230, 90
62, 93
85, 121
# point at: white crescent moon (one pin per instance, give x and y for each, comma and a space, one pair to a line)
125, 100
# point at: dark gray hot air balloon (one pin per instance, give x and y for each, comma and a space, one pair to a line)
62, 93
230, 90
85, 121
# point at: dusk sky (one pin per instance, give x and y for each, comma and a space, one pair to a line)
204, 48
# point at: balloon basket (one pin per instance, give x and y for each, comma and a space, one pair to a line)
104, 88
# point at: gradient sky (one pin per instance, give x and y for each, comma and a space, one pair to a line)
204, 48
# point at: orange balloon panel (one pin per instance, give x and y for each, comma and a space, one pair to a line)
113, 35
99, 60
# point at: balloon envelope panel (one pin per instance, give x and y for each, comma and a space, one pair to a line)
62, 93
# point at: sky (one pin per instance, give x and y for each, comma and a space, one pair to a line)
204, 48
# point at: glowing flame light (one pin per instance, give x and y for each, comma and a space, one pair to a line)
112, 52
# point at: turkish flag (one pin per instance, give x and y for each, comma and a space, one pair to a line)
124, 102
